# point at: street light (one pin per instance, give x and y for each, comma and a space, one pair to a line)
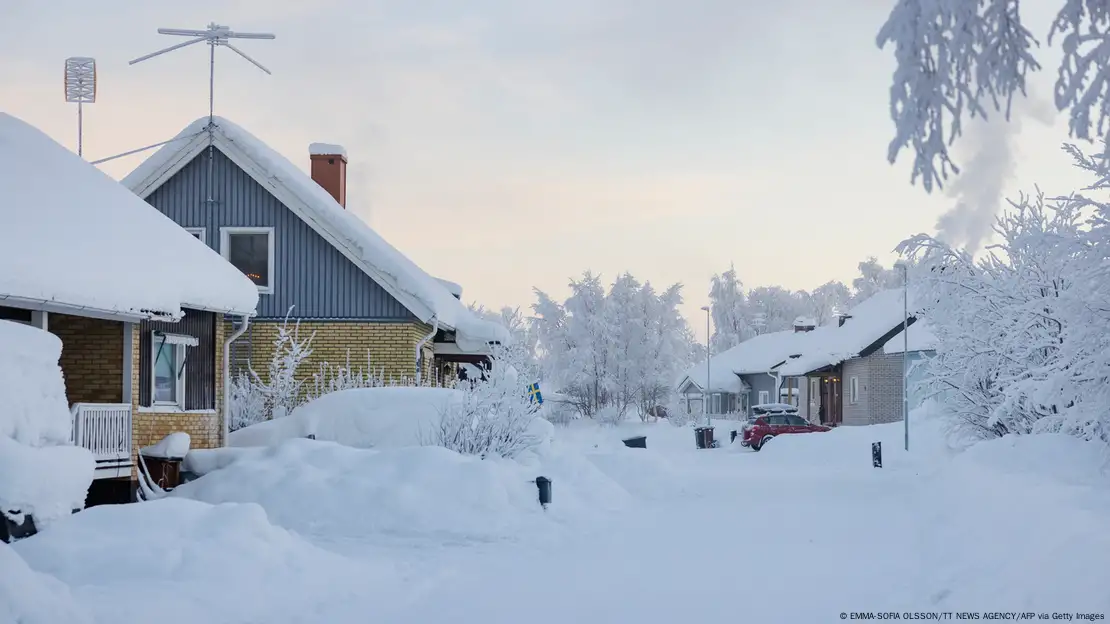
905, 348
708, 420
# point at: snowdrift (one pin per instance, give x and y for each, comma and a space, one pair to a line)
332, 491
381, 418
30, 597
41, 472
184, 561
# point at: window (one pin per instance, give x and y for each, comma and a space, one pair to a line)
251, 250
199, 232
715, 404
853, 390
814, 391
796, 421
168, 368
764, 397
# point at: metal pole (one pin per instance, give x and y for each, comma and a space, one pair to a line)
709, 396
906, 353
80, 130
211, 80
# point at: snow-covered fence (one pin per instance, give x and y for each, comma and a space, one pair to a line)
104, 429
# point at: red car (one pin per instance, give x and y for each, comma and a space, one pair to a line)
765, 425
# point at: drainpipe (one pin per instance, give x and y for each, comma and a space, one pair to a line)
227, 373
424, 341
776, 398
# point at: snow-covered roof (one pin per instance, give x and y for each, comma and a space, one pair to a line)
805, 321
920, 338
452, 287
327, 149
73, 237
753, 356
868, 321
422, 294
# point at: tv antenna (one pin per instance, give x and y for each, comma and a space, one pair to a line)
80, 81
215, 35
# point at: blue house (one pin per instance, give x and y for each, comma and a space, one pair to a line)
290, 233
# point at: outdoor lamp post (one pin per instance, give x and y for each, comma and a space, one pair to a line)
905, 349
708, 370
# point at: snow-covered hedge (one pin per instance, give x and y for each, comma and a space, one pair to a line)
41, 472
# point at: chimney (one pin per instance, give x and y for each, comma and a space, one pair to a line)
329, 169
804, 324
841, 318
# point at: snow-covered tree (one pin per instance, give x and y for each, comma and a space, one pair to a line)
970, 58
612, 350
827, 298
1022, 333
728, 308
873, 278
776, 308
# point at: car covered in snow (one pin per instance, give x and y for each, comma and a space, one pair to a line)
774, 419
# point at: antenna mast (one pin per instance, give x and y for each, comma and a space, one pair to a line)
80, 89
215, 35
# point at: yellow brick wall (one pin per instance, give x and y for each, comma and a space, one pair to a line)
92, 358
391, 347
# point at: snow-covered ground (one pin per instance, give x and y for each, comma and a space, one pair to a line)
312, 531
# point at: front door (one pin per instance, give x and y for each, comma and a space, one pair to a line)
831, 413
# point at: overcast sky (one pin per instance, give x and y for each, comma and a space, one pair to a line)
507, 144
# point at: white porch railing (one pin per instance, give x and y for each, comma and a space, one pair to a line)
104, 429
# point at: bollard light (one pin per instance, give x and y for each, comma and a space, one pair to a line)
543, 484
877, 454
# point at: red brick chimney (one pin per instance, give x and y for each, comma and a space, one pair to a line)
329, 169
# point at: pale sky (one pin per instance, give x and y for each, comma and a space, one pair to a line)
512, 144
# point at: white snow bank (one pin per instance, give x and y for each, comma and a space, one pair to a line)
48, 482
368, 418
41, 472
331, 491
30, 597
63, 220
174, 446
381, 260
35, 409
191, 562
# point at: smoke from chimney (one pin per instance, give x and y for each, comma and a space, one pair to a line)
979, 190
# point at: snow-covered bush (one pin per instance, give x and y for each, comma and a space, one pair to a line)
495, 415
254, 399
1023, 335
335, 378
247, 402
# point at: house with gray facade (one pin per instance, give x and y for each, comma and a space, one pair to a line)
743, 376
850, 375
313, 260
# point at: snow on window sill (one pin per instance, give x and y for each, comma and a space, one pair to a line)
172, 408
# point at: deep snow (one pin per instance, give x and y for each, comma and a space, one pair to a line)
799, 532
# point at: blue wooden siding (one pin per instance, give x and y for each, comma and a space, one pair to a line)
308, 272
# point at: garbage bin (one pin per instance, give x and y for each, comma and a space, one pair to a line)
704, 437
637, 442
10, 530
165, 472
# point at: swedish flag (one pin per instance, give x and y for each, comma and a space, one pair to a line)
534, 395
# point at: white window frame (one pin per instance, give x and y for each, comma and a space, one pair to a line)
853, 390
180, 342
199, 232
764, 397
225, 251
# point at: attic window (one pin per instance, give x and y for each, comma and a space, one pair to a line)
251, 250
